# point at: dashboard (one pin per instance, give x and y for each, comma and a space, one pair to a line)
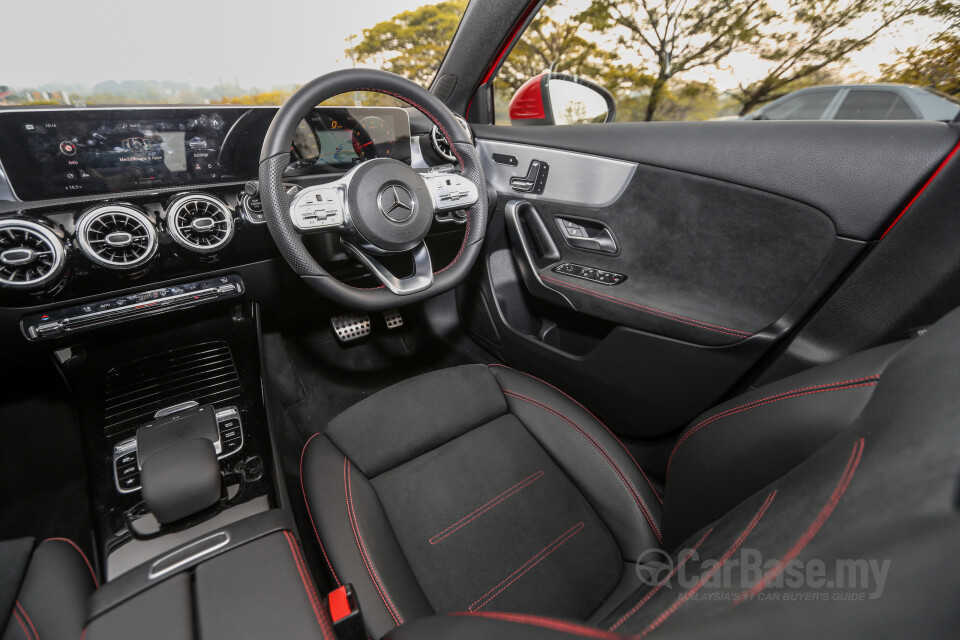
56, 154
107, 214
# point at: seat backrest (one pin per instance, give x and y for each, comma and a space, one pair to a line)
740, 446
857, 501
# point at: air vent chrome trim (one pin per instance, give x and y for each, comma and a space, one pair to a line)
440, 144
15, 234
119, 229
192, 217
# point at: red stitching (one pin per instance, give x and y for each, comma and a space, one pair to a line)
709, 573
845, 479
546, 623
650, 484
93, 574
652, 310
497, 589
476, 513
303, 490
325, 628
368, 562
786, 395
623, 477
650, 593
23, 612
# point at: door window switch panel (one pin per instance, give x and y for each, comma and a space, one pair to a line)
589, 273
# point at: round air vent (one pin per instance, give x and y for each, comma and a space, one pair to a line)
117, 236
440, 144
31, 255
199, 222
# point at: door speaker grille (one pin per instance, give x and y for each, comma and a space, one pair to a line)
138, 389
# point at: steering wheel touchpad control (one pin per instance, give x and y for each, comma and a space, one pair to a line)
589, 273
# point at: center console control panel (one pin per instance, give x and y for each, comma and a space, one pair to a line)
41, 326
126, 462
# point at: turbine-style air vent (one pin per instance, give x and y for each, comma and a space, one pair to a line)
440, 143
199, 222
31, 255
117, 236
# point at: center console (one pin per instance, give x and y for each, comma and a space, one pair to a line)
145, 392
194, 531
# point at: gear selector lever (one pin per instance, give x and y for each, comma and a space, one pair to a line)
179, 472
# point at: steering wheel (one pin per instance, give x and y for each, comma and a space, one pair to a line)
380, 207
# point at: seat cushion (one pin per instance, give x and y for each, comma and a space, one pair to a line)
476, 488
51, 598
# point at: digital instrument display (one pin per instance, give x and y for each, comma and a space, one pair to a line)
64, 153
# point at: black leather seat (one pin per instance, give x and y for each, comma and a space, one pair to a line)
44, 588
483, 489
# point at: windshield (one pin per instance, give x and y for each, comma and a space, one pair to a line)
206, 51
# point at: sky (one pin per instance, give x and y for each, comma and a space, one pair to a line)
259, 43
255, 43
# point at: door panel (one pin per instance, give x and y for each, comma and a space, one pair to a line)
722, 239
858, 173
703, 260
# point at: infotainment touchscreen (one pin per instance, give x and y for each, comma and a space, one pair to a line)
63, 153
55, 154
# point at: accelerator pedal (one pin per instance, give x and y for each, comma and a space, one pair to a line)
350, 327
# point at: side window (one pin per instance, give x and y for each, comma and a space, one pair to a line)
874, 105
806, 106
594, 61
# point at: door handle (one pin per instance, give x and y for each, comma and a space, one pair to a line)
533, 249
587, 234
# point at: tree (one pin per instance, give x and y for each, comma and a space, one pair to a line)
672, 37
412, 44
812, 35
554, 43
935, 65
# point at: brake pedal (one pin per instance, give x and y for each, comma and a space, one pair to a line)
350, 327
393, 319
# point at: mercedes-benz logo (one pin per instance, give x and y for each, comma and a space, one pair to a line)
396, 202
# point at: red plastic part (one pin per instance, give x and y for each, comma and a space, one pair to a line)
527, 102
339, 606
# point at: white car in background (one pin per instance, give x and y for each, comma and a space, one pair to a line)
860, 102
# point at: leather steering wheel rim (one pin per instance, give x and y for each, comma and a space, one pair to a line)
275, 156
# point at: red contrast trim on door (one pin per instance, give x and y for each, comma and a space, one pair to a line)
925, 185
507, 45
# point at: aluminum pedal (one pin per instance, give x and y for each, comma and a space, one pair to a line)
350, 327
393, 319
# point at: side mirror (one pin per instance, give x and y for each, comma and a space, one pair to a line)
558, 98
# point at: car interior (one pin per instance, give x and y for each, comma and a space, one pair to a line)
475, 380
